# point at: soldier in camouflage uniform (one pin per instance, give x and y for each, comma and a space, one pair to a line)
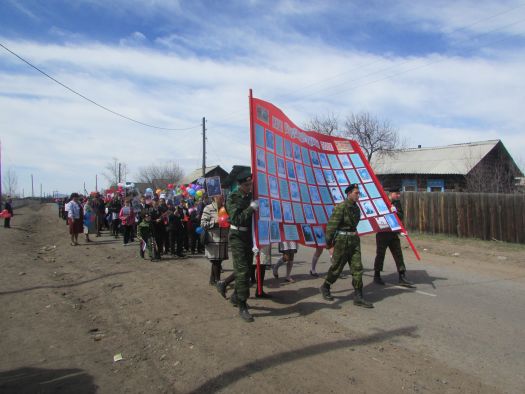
145, 234
240, 207
390, 239
341, 234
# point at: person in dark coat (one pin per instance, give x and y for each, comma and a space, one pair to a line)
9, 208
390, 239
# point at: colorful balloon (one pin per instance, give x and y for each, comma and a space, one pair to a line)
224, 221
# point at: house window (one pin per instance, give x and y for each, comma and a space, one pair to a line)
435, 185
409, 185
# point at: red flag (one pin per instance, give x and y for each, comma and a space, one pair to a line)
299, 176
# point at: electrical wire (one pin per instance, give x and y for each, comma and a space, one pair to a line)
92, 101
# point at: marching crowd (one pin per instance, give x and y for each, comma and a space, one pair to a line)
162, 227
178, 227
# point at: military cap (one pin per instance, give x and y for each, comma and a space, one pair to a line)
244, 176
351, 187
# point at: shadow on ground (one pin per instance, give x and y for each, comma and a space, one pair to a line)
227, 378
27, 380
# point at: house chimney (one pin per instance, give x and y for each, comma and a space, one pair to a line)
419, 147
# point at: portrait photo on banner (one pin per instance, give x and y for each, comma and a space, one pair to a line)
275, 234
264, 208
213, 186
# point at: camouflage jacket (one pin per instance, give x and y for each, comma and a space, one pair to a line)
345, 217
144, 230
238, 207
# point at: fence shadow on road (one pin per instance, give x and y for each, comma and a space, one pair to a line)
227, 378
27, 380
64, 285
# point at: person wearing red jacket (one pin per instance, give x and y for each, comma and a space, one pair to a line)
127, 219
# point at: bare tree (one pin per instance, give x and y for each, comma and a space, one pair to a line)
327, 124
158, 175
372, 134
10, 182
115, 171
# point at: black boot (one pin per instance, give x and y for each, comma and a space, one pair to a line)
360, 301
233, 299
221, 288
243, 312
378, 279
325, 292
215, 275
403, 281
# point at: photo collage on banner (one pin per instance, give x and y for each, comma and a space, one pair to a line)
301, 175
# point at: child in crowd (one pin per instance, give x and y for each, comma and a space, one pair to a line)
288, 250
145, 234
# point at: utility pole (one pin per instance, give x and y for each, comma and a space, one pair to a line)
118, 172
32, 187
203, 147
96, 183
40, 191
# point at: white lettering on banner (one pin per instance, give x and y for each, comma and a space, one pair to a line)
304, 138
327, 146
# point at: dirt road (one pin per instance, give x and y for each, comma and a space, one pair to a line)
67, 311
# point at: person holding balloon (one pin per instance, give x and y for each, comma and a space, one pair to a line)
214, 224
195, 239
7, 213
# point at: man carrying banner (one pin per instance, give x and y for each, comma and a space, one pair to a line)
341, 234
390, 239
240, 207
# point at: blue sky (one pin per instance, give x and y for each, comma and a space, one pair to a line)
441, 72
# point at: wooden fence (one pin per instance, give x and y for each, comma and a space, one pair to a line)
487, 216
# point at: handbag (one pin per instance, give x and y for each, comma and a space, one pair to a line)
204, 237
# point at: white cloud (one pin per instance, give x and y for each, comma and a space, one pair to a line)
135, 39
46, 130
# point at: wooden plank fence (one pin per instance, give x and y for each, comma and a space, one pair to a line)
488, 216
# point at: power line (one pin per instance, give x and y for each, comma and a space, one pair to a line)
92, 101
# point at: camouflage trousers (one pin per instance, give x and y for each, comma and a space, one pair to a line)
241, 248
149, 247
388, 240
347, 249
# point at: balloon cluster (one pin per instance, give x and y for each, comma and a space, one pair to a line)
190, 192
5, 214
224, 221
